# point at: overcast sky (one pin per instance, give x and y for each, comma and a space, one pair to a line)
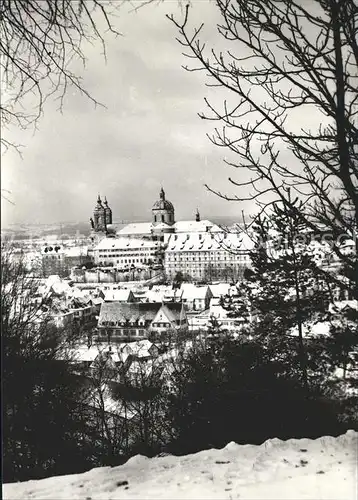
148, 136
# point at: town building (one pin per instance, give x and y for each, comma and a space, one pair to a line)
121, 321
58, 301
54, 261
201, 321
163, 223
125, 252
158, 293
207, 256
119, 295
198, 250
195, 298
82, 312
59, 259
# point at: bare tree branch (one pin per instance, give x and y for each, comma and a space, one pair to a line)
39, 39
285, 59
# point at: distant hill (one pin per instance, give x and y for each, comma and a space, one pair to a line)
81, 228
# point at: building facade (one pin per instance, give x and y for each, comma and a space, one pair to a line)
126, 252
123, 321
206, 257
59, 259
54, 261
197, 249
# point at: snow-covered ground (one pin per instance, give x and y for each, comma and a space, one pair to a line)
325, 468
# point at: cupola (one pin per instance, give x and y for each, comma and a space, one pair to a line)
163, 211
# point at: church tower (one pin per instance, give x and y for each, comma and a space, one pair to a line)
99, 216
163, 211
107, 212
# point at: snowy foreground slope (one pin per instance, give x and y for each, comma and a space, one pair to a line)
325, 468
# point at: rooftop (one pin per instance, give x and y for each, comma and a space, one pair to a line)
123, 243
135, 312
187, 242
136, 228
78, 251
191, 291
121, 295
184, 226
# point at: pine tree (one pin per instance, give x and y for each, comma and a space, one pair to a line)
214, 326
285, 289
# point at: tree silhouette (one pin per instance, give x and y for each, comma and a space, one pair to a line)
45, 418
40, 39
284, 60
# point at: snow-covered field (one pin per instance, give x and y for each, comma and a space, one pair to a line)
325, 468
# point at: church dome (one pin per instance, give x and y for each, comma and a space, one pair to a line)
162, 203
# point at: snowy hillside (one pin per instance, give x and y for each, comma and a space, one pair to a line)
325, 468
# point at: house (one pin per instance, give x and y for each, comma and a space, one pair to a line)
158, 293
142, 349
96, 304
140, 361
83, 356
208, 256
201, 320
221, 289
123, 321
81, 311
195, 298
119, 295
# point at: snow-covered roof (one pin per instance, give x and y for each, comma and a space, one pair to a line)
218, 311
220, 289
57, 285
96, 301
159, 294
189, 226
123, 243
136, 228
182, 226
343, 304
53, 278
187, 242
135, 312
161, 225
84, 353
310, 329
190, 291
122, 295
139, 348
79, 293
78, 251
